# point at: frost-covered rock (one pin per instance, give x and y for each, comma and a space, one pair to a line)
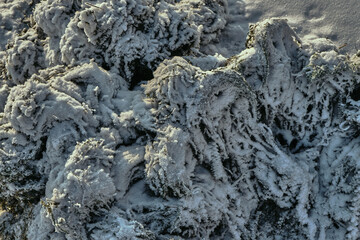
263, 145
132, 37
306, 100
24, 57
81, 189
21, 183
52, 17
220, 135
135, 36
15, 15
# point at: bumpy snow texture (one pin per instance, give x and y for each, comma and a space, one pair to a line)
263, 145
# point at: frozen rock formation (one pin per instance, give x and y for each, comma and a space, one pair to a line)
15, 16
132, 37
261, 145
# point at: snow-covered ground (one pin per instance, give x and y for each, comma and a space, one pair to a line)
144, 119
336, 20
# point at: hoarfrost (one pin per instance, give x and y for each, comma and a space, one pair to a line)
127, 35
262, 145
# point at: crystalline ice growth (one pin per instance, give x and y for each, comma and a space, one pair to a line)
115, 125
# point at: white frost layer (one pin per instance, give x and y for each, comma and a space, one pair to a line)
262, 145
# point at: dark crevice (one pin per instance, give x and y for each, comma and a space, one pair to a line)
280, 138
309, 108
262, 112
220, 230
182, 51
355, 94
39, 153
141, 73
277, 122
270, 212
205, 132
293, 144
143, 134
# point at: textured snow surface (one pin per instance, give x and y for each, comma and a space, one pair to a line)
146, 119
336, 20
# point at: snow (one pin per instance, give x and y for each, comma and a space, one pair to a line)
143, 119
334, 20
317, 22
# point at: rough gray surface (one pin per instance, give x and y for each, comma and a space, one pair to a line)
262, 145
